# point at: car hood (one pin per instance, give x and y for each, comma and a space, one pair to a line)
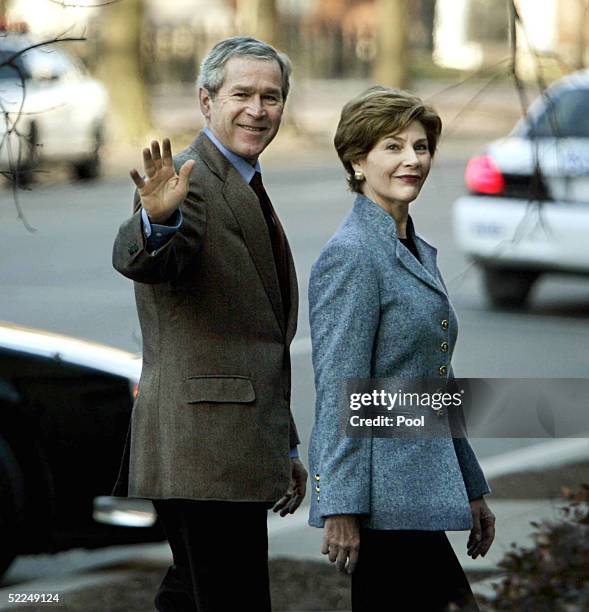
72, 350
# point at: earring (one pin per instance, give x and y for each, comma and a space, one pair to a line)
359, 175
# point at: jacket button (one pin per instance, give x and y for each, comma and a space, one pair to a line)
287, 395
445, 324
317, 497
444, 347
317, 477
318, 489
442, 370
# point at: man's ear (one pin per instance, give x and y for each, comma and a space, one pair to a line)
204, 100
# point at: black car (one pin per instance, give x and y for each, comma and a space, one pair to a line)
65, 406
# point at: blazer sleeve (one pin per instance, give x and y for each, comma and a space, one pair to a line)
474, 479
130, 254
344, 316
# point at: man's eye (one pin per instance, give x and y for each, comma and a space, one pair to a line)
240, 94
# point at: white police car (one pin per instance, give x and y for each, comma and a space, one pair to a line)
51, 109
527, 211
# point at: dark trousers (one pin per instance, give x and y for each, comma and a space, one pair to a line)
408, 570
220, 552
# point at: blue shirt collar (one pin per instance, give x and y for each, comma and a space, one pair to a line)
244, 168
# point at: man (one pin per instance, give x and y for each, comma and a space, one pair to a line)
212, 440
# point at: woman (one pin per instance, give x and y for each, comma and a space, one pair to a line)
378, 309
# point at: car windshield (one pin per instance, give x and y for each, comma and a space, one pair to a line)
8, 71
566, 116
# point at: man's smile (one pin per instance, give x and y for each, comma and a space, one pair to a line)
251, 128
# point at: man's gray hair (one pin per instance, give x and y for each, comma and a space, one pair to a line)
212, 68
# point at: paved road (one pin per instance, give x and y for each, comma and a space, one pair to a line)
60, 277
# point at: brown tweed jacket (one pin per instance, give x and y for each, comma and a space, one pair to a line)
212, 419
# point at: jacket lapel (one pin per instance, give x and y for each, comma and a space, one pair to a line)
427, 269
245, 206
384, 228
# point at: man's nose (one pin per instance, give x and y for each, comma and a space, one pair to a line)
255, 107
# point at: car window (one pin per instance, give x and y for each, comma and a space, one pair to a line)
565, 116
12, 72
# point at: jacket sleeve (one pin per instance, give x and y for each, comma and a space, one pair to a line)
293, 433
344, 316
474, 480
132, 258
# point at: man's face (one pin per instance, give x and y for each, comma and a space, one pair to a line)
245, 113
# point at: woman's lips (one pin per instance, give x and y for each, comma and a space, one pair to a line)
409, 179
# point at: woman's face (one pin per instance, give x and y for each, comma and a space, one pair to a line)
396, 167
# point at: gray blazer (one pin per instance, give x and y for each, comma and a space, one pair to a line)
212, 419
376, 312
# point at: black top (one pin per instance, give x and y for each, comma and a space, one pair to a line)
410, 244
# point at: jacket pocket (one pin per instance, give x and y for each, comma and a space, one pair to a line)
218, 388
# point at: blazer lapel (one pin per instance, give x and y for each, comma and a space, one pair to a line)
426, 270
245, 206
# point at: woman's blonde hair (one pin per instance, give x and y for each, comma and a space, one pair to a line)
374, 114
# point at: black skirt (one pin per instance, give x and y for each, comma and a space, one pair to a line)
400, 570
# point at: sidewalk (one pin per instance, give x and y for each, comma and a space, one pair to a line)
525, 489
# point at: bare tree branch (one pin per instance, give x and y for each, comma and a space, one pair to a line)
11, 122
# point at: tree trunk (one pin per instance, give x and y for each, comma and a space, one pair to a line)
581, 35
121, 69
260, 19
390, 65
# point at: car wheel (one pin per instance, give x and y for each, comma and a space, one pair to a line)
11, 504
29, 159
508, 288
90, 168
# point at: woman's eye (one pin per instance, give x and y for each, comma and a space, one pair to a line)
393, 147
421, 147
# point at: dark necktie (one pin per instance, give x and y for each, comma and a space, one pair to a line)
277, 238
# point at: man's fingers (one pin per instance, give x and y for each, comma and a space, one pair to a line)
293, 504
148, 164
137, 179
184, 175
167, 148
279, 505
156, 154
